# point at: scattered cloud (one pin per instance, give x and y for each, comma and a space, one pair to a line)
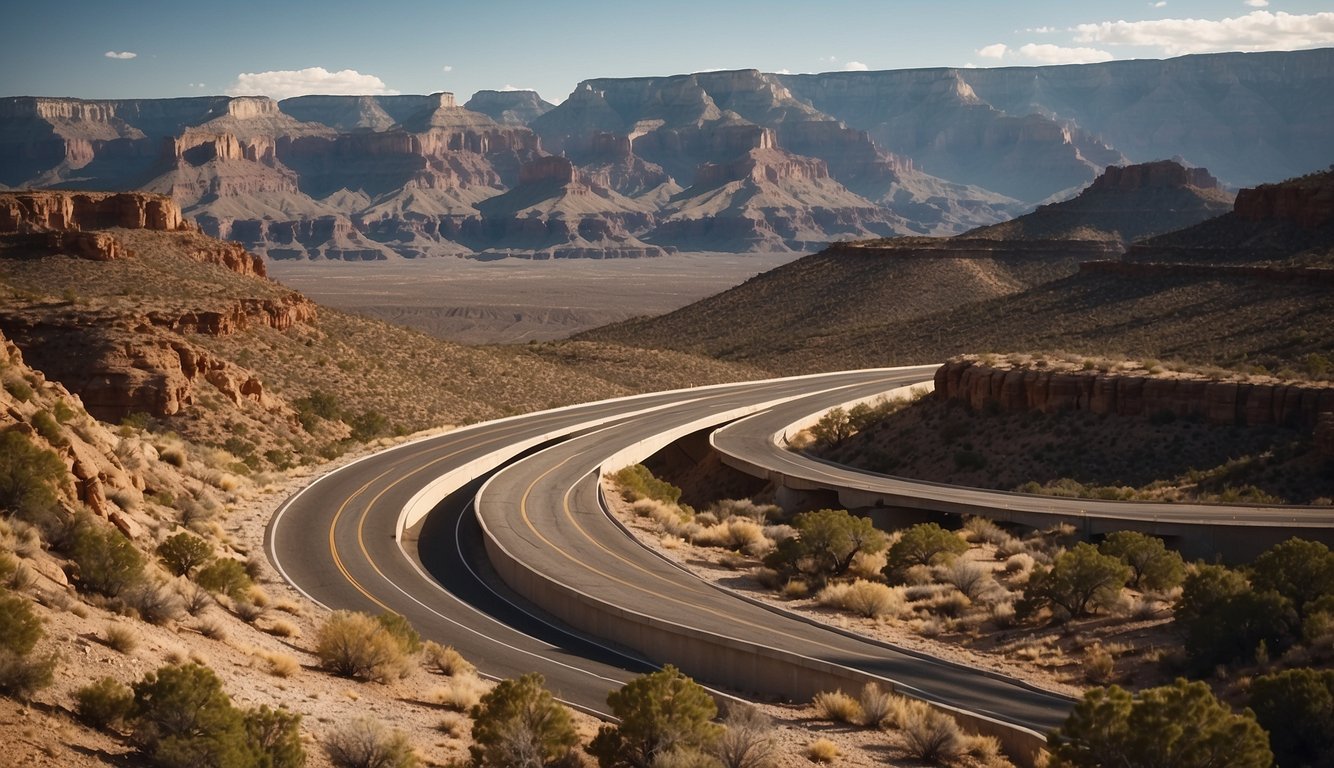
120, 54
508, 87
993, 51
1160, 4
447, 68
1041, 30
855, 66
285, 83
1046, 53
783, 71
196, 85
1257, 3
1256, 31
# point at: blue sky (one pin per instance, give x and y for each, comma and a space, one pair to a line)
153, 49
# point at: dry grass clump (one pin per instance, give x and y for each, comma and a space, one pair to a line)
930, 735
980, 530
454, 724
822, 751
120, 638
970, 578
864, 598
837, 706
281, 664
445, 660
796, 589
283, 628
878, 706
1099, 667
739, 533
461, 693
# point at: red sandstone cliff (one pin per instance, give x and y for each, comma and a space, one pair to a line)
1218, 402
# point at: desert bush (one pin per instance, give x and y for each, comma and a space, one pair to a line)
104, 703
968, 577
47, 426
273, 737
1098, 665
877, 705
827, 541
930, 735
19, 389
401, 630
796, 589
1110, 727
224, 576
1152, 564
637, 482
366, 743
519, 723
1078, 581
461, 693
356, 645
213, 630
281, 628
182, 717
747, 740
822, 751
20, 628
873, 600
120, 638
109, 564
29, 478
744, 508
282, 664
444, 659
1301, 571
925, 544
1296, 707
980, 530
1003, 614
155, 603
194, 598
1021, 562
659, 713
736, 533
248, 611
182, 553
837, 706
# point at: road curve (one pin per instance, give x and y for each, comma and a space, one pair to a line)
754, 445
543, 512
338, 541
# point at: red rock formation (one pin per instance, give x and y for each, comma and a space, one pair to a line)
1162, 173
279, 314
763, 166
547, 169
38, 210
1306, 202
1217, 402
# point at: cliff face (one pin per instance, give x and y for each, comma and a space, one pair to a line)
32, 211
931, 152
1247, 116
1218, 402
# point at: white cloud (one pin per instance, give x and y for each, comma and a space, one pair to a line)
196, 85
855, 66
783, 71
1256, 31
993, 51
1160, 4
1046, 53
1257, 3
508, 87
447, 68
120, 54
1041, 30
285, 83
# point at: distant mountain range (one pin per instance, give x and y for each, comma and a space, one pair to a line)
735, 161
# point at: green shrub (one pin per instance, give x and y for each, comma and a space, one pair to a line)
274, 737
518, 722
1181, 725
365, 743
104, 704
930, 735
317, 405
658, 713
1078, 581
19, 389
368, 425
29, 477
1296, 707
182, 553
826, 544
183, 718
356, 645
637, 482
63, 412
109, 564
47, 426
833, 428
1152, 564
225, 576
1300, 570
924, 544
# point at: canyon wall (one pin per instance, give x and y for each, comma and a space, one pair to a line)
1217, 402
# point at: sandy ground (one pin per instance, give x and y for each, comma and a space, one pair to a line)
520, 300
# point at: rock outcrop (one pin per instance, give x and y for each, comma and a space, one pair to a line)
37, 210
509, 107
1240, 403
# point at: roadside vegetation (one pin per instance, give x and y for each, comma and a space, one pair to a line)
1126, 611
